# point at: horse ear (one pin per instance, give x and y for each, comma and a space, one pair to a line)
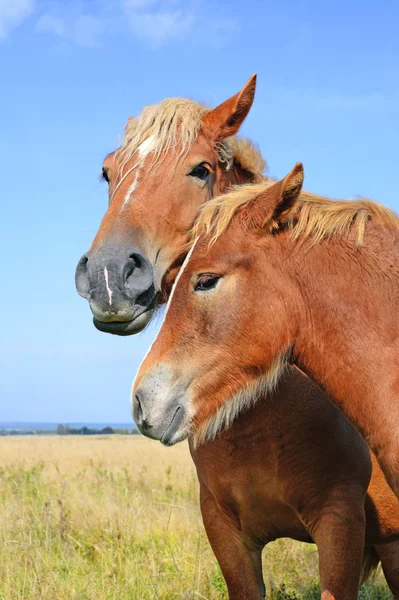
273, 206
291, 188
226, 119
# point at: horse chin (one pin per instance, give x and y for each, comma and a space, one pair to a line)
178, 430
175, 439
125, 327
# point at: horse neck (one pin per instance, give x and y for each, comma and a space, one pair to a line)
348, 334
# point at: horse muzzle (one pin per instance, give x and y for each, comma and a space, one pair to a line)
160, 408
119, 287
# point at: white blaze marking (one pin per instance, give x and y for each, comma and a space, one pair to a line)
144, 150
110, 292
131, 189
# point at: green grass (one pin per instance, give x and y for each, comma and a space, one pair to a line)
117, 519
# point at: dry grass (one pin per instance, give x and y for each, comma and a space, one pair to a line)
101, 518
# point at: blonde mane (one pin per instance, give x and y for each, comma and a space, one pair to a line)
313, 216
174, 124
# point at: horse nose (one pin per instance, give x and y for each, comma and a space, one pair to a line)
82, 278
110, 277
139, 411
137, 274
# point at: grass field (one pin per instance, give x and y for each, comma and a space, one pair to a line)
117, 518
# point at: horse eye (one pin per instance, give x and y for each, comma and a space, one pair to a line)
206, 283
201, 172
104, 175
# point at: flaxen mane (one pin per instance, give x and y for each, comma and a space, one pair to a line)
174, 124
313, 216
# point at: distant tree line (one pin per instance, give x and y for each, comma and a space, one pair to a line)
66, 430
19, 432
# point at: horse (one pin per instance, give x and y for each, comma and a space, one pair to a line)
323, 269
173, 159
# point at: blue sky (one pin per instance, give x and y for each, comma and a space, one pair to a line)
71, 74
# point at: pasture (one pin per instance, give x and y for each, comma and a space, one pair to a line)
117, 518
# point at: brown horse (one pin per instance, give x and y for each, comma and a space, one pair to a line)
173, 159
310, 281
272, 455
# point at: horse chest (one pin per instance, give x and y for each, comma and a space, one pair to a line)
250, 494
258, 514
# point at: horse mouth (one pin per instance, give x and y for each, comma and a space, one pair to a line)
127, 327
171, 434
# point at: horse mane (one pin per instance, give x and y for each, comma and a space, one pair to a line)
312, 216
321, 217
174, 124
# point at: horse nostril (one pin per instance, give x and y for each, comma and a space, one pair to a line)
82, 264
137, 261
133, 263
139, 412
137, 274
139, 409
81, 277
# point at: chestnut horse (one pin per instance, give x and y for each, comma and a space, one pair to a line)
274, 469
326, 298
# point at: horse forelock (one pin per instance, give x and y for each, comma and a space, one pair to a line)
173, 125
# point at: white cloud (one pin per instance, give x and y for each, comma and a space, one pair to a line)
13, 13
159, 25
83, 30
153, 22
159, 21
